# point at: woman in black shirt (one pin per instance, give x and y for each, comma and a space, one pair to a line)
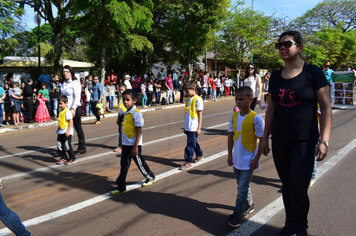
291, 117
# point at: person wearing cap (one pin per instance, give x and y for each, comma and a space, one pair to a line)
161, 75
329, 77
56, 92
127, 82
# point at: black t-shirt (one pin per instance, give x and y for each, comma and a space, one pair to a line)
295, 112
57, 92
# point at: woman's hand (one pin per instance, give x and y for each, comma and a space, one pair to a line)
321, 151
265, 147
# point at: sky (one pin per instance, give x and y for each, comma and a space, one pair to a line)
280, 8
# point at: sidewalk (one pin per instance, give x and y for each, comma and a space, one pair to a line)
23, 126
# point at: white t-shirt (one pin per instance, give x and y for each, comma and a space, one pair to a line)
110, 90
69, 116
72, 89
252, 83
128, 84
241, 157
189, 123
139, 122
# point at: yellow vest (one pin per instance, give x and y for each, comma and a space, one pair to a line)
129, 126
62, 120
121, 105
248, 136
192, 108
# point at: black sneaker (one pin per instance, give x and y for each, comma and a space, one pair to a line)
247, 210
234, 221
286, 231
304, 233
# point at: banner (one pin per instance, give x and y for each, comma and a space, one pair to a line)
343, 88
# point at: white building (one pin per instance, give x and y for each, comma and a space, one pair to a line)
18, 64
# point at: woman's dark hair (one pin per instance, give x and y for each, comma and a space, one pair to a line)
298, 38
247, 73
71, 71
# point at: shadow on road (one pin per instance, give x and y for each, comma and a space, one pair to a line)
200, 214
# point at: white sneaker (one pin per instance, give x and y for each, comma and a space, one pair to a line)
311, 182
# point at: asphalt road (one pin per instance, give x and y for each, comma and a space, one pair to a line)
74, 200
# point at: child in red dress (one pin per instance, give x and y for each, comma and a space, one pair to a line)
42, 114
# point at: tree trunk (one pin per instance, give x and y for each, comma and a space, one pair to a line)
58, 49
102, 68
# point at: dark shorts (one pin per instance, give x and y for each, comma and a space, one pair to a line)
17, 106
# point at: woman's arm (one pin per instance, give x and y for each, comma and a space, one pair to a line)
259, 87
268, 125
325, 121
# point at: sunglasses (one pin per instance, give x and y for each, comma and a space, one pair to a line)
286, 44
251, 68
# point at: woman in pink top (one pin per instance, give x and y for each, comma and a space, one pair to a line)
169, 85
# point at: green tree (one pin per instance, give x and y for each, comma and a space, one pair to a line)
190, 26
10, 12
66, 11
332, 45
244, 30
112, 24
339, 14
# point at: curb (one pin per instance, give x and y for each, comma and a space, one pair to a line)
85, 118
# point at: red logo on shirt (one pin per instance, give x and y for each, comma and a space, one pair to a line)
287, 98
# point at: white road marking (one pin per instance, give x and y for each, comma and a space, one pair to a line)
250, 226
42, 169
103, 197
264, 215
254, 223
105, 136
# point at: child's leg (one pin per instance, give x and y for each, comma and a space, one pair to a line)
197, 150
142, 165
243, 178
190, 148
68, 147
125, 165
60, 146
121, 118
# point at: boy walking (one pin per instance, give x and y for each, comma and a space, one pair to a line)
245, 127
65, 133
120, 116
192, 125
132, 144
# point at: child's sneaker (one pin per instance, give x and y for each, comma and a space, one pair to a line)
186, 166
61, 162
148, 182
116, 192
71, 161
12, 104
234, 220
118, 149
247, 210
198, 159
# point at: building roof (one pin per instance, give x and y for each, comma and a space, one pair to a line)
18, 61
